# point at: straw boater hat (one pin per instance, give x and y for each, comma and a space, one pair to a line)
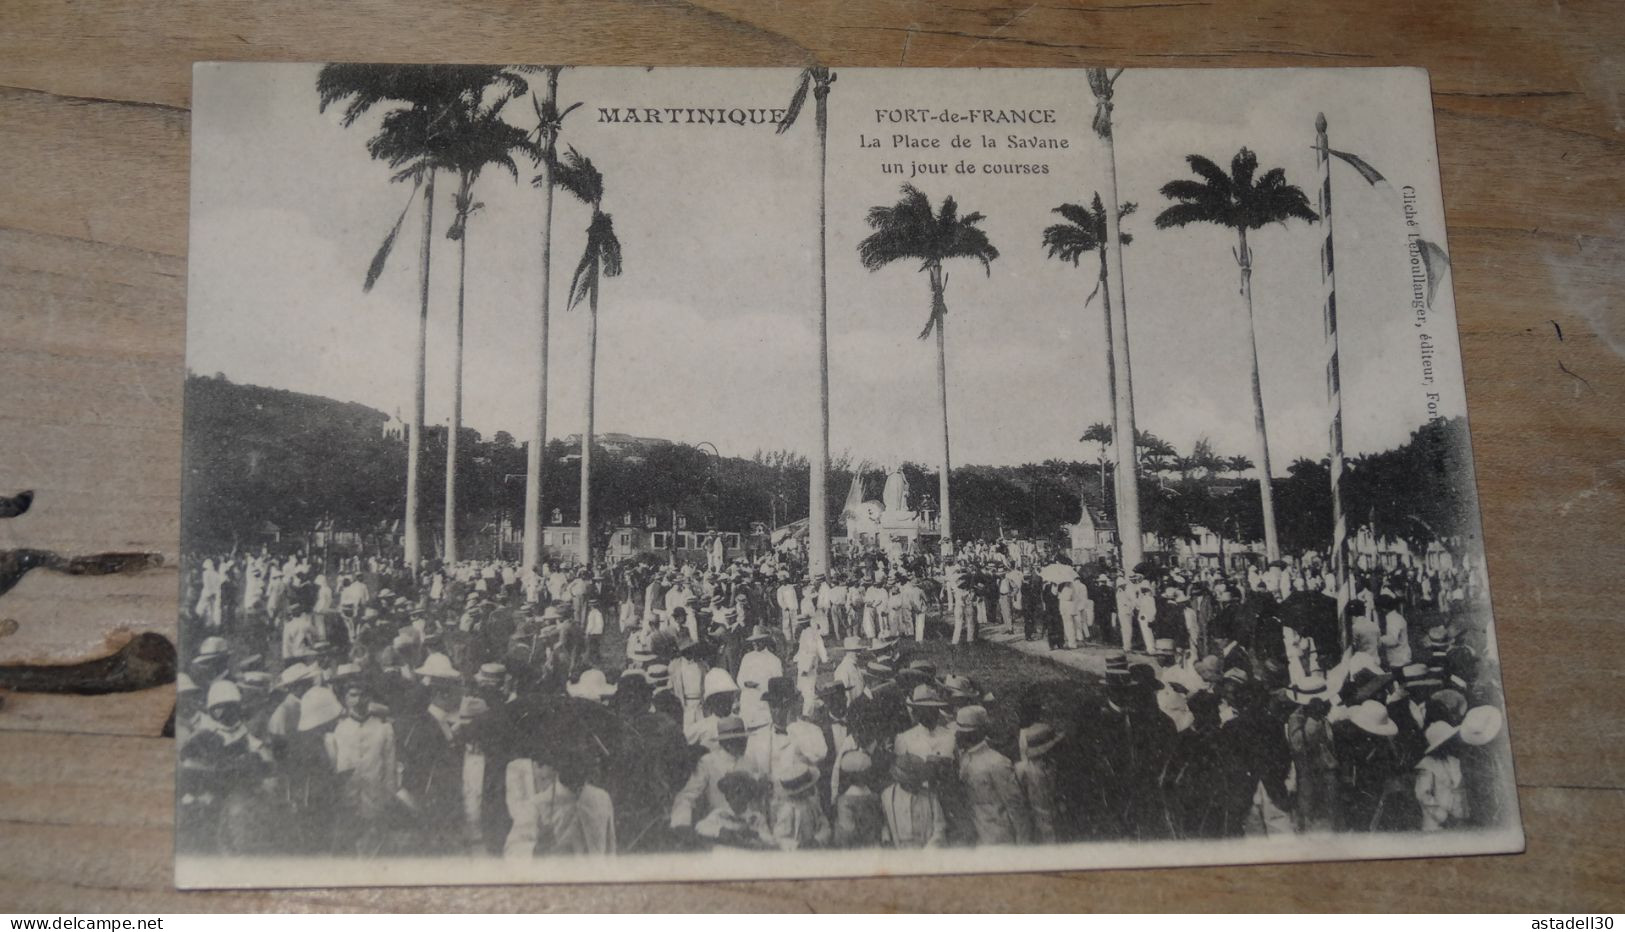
971, 718
659, 675
962, 690
731, 728
294, 673
800, 781
438, 667
926, 697
1162, 646
1439, 734
759, 633
491, 674
1481, 725
212, 647
1040, 738
255, 682
1116, 665
1372, 718
923, 668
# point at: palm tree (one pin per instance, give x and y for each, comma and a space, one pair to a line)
549, 120
910, 229
410, 140
1101, 434
1238, 202
818, 79
600, 259
1130, 542
1084, 232
1237, 464
480, 138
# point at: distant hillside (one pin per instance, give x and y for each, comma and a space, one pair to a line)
255, 455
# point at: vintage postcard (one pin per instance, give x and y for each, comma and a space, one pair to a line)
622, 474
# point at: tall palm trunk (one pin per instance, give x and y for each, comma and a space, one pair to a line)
1266, 493
587, 431
939, 308
1111, 379
534, 456
449, 552
1123, 433
414, 443
818, 475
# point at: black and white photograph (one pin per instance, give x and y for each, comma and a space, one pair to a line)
645, 474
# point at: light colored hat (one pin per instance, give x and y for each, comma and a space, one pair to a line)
472, 707
855, 762
1372, 717
799, 781
318, 707
731, 727
222, 692
346, 671
971, 718
438, 667
926, 697
1438, 734
591, 685
491, 674
718, 681
212, 647
293, 673
1163, 646
852, 643
1481, 725
184, 685
759, 633
1209, 670
1310, 687
1040, 738
254, 680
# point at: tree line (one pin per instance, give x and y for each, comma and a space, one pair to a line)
304, 462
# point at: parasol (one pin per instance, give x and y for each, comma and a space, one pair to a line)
1058, 573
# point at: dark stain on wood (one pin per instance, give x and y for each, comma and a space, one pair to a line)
16, 504
148, 660
15, 564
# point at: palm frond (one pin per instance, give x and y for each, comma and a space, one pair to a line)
1081, 216
576, 174
1185, 214
1068, 242
792, 110
1242, 168
375, 268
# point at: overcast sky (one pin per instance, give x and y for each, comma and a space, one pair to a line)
709, 333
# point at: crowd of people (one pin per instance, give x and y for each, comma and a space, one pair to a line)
359, 707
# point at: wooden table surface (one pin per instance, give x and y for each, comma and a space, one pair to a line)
93, 233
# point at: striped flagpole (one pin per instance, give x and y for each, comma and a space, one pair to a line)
1334, 394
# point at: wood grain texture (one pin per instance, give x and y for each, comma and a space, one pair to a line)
93, 163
